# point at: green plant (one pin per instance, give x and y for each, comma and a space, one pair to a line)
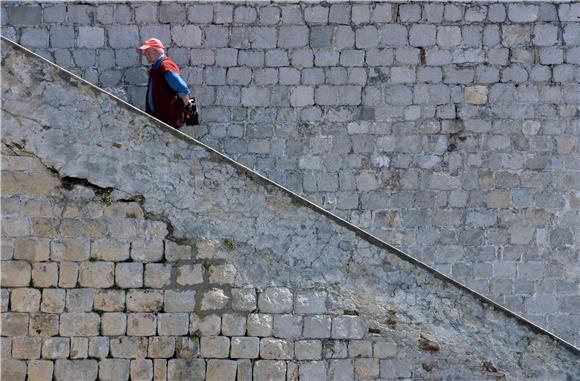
195, 335
105, 195
255, 311
31, 284
93, 259
230, 243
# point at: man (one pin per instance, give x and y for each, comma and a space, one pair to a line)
167, 94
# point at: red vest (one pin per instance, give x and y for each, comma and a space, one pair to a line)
167, 104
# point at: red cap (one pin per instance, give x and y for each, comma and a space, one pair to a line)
152, 43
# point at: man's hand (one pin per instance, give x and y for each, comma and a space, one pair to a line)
190, 107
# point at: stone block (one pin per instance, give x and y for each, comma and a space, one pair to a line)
69, 272
141, 369
276, 349
82, 370
15, 274
317, 326
214, 299
341, 370
114, 369
476, 95
308, 350
91, 37
26, 348
182, 370
97, 274
222, 274
348, 327
147, 250
188, 36
79, 324
209, 325
109, 300
157, 275
40, 370
114, 324
98, 347
79, 300
13, 370
522, 13
175, 252
179, 301
53, 300
25, 300
141, 324
221, 370
292, 37
313, 370
215, 346
45, 274
269, 370
70, 250
245, 347
161, 347
128, 347
366, 368
287, 326
145, 300
422, 35
31, 249
129, 275
310, 302
173, 324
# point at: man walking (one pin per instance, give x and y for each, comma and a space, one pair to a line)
167, 93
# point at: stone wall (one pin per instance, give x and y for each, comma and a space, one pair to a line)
128, 250
449, 130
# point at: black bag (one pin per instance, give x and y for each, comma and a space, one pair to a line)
191, 115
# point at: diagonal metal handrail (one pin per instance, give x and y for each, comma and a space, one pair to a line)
302, 200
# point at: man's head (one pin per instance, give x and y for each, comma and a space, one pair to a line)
152, 49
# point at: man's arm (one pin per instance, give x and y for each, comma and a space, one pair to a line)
178, 85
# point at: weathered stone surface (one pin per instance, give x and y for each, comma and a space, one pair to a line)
319, 252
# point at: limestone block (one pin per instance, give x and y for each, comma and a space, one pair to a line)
245, 347
40, 370
317, 326
128, 347
79, 324
222, 274
159, 370
75, 250
188, 36
308, 350
214, 299
366, 368
32, 249
233, 325
287, 326
157, 275
141, 369
522, 13
91, 37
181, 369
79, 347
312, 370
187, 347
113, 323
342, 370
129, 275
179, 301
98, 347
221, 370
259, 325
395, 369
189, 275
45, 274
69, 273
384, 349
310, 302
145, 300
209, 325
25, 300
269, 370
215, 346
26, 348
348, 327
55, 348
114, 369
292, 37
141, 324
110, 250
276, 349
82, 370
109, 300
44, 324
147, 250
175, 252
476, 95
360, 348
422, 35
79, 300
275, 300
161, 347
13, 370
173, 324
15, 274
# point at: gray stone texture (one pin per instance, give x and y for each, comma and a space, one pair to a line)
473, 139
